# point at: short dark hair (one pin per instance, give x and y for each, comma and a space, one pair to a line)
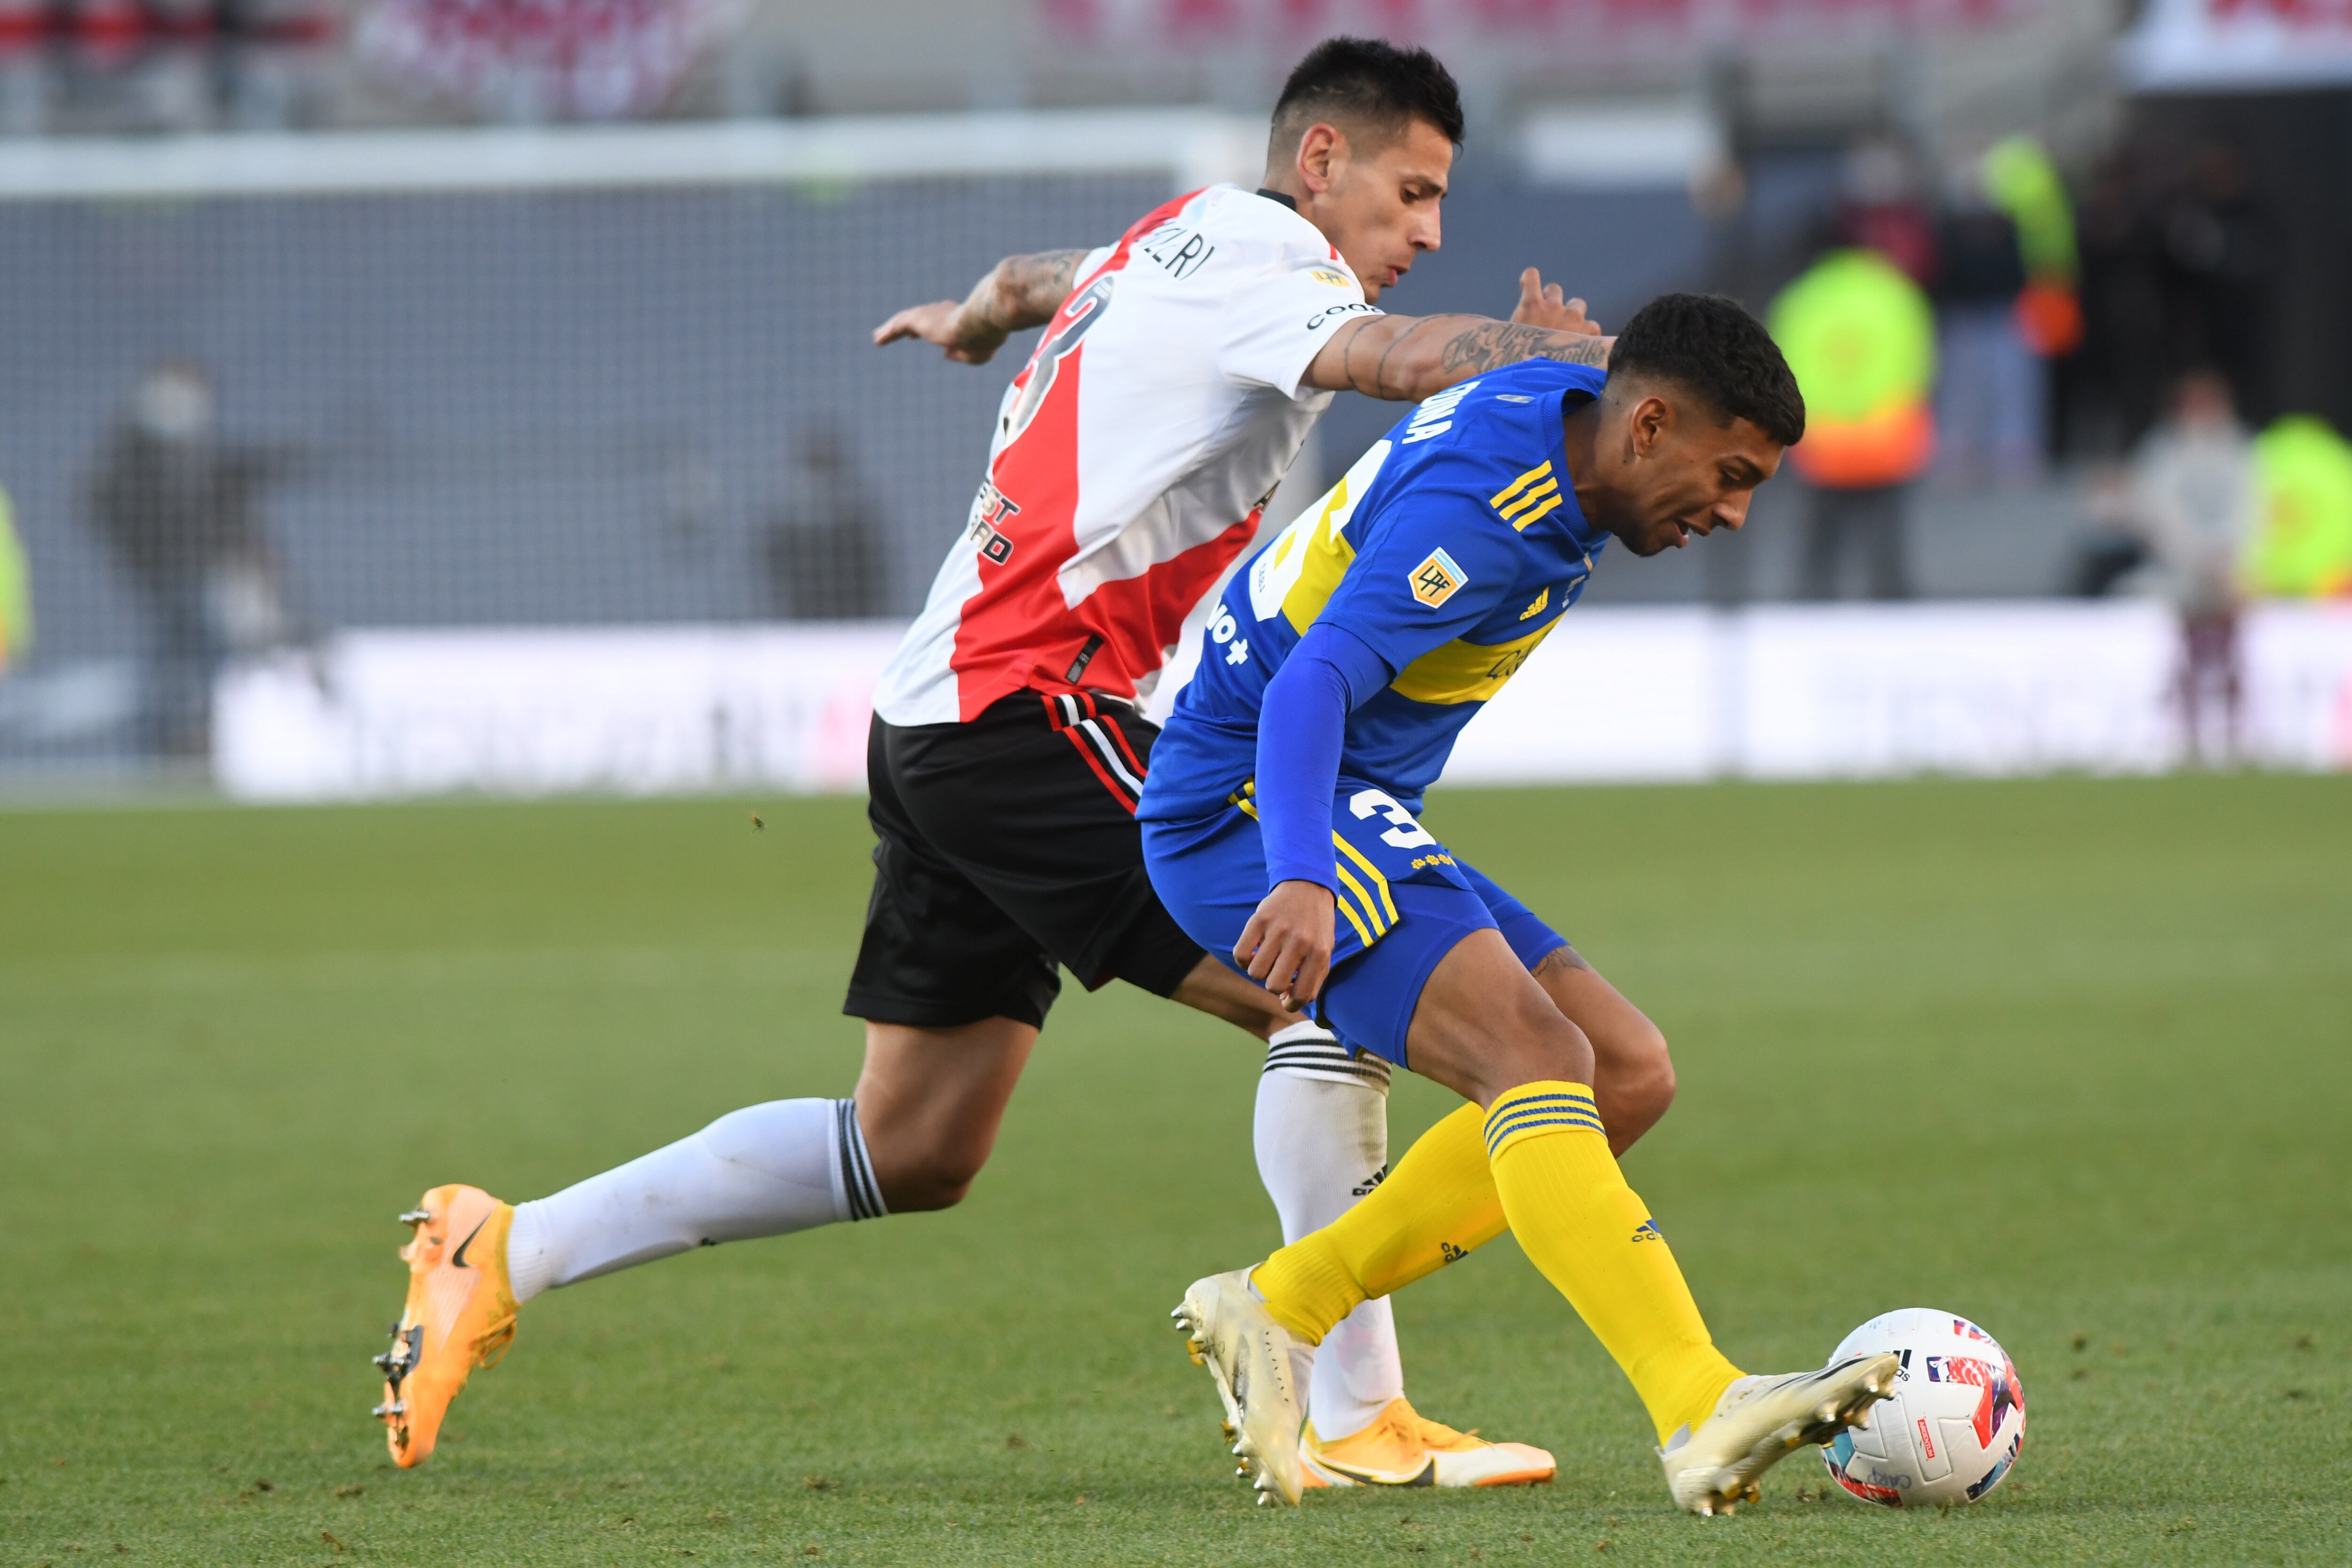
1371, 82
1713, 347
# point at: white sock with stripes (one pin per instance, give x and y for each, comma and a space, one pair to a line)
766, 1170
1322, 1134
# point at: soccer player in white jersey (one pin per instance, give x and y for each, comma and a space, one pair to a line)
1179, 374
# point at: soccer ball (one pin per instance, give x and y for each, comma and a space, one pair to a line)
1954, 1425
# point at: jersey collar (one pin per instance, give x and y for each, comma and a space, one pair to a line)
1570, 516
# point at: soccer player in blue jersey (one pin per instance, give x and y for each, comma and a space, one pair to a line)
1280, 827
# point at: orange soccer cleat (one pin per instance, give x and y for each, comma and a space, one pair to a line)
460, 1314
1403, 1447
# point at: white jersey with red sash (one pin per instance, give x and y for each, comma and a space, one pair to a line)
1131, 459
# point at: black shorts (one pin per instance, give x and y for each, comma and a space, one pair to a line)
1008, 847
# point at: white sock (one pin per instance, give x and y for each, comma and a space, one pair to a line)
766, 1170
1322, 1134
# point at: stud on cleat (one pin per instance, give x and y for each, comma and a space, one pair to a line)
460, 1314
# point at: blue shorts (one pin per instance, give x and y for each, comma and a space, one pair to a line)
1404, 904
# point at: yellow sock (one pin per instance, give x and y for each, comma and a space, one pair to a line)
1580, 1224
1438, 1205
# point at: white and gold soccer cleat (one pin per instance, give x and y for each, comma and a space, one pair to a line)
1228, 1329
1759, 1421
1403, 1447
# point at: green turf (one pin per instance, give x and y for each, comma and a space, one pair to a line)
2069, 1058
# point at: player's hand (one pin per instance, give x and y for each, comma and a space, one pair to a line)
1542, 304
1287, 946
948, 324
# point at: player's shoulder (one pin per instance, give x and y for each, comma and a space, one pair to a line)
1496, 421
1255, 234
1491, 445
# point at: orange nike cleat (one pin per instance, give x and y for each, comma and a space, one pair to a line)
460, 1314
1403, 1447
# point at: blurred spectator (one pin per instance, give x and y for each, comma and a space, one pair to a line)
1880, 208
822, 557
1990, 409
2303, 547
2191, 495
1861, 338
181, 510
15, 591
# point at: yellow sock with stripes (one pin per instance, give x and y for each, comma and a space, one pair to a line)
1438, 1205
1581, 1224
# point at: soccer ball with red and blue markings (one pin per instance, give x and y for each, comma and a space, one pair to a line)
1955, 1425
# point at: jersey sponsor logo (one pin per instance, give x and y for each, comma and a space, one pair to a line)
1178, 246
1434, 417
1222, 630
1326, 275
1353, 308
990, 510
1463, 672
1079, 315
1530, 496
1437, 579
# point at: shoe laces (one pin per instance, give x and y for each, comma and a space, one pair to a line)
1431, 1434
491, 1347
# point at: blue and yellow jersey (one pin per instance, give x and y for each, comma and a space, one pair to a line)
1450, 549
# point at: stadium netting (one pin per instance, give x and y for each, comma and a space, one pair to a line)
492, 402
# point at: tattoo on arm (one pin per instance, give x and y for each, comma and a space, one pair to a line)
1381, 386
1030, 288
1559, 958
1485, 345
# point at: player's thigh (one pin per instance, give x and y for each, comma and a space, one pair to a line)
1625, 1044
937, 952
1029, 810
1480, 1026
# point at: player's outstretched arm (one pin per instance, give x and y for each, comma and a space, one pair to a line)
1408, 358
1018, 292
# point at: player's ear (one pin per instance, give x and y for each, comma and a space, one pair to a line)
1320, 151
1651, 417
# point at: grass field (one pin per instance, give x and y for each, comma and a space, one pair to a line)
2074, 1058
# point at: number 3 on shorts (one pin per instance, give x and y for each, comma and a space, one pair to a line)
1406, 834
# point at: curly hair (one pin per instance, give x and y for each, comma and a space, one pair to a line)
1711, 346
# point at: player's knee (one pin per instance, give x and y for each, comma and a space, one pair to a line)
1540, 1044
940, 1179
1647, 1087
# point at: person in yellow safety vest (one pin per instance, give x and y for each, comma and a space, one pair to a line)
2302, 535
15, 591
2022, 181
1861, 337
